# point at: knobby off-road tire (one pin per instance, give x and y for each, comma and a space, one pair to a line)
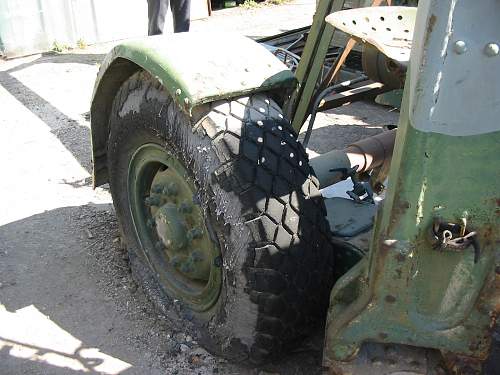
259, 197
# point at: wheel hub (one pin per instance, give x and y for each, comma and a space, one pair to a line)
174, 225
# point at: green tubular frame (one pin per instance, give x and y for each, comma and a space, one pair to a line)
311, 62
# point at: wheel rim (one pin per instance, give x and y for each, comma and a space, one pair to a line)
171, 229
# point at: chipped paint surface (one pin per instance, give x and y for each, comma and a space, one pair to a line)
209, 69
407, 291
437, 66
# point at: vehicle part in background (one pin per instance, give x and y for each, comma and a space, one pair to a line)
406, 292
387, 29
361, 156
379, 68
311, 68
288, 58
387, 34
320, 98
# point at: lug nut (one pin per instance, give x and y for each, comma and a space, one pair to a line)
194, 233
197, 255
187, 267
152, 201
175, 262
218, 262
185, 208
171, 189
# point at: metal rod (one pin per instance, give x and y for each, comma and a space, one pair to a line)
320, 97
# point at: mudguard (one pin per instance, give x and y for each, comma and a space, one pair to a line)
195, 68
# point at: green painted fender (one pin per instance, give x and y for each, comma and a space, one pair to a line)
195, 68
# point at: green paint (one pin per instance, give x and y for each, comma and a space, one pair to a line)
171, 228
406, 291
207, 70
311, 62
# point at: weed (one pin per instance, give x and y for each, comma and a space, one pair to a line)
249, 4
81, 44
59, 47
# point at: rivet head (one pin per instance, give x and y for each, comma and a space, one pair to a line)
460, 47
491, 49
178, 92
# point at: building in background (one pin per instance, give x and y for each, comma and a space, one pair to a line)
33, 26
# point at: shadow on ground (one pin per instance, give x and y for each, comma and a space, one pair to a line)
75, 137
65, 269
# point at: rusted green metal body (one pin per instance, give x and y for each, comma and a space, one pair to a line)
411, 288
200, 74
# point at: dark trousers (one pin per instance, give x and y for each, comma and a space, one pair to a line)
157, 10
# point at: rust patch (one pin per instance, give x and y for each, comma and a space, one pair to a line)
430, 28
459, 365
432, 23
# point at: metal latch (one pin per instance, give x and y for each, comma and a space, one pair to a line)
455, 237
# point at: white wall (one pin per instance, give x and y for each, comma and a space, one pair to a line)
30, 26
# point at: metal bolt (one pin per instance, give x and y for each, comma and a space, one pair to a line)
178, 92
460, 47
152, 201
186, 101
491, 49
197, 255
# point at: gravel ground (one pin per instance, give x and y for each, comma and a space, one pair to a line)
68, 303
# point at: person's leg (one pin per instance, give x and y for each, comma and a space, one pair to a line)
181, 13
157, 9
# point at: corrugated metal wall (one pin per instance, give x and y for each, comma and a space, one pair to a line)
31, 26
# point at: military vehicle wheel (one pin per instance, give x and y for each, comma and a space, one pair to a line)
226, 214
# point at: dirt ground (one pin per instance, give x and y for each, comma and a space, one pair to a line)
68, 303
